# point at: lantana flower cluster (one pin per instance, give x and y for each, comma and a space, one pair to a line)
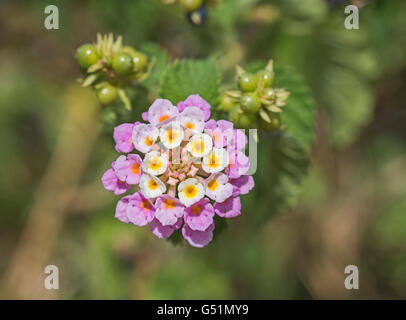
183, 167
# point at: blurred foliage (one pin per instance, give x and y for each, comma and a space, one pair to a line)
357, 180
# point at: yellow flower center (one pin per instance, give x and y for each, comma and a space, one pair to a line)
152, 184
213, 184
148, 141
172, 136
214, 161
155, 163
190, 125
198, 146
190, 191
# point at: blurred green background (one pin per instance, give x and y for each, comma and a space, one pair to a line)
350, 209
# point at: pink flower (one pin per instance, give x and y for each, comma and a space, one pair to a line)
128, 168
140, 210
168, 210
162, 231
112, 183
239, 164
121, 209
144, 137
199, 216
192, 118
243, 184
195, 101
161, 112
122, 136
219, 130
236, 139
198, 239
229, 208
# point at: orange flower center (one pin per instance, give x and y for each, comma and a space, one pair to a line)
145, 205
196, 210
135, 168
163, 118
169, 203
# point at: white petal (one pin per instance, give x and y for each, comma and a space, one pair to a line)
200, 145
155, 163
151, 187
190, 191
216, 160
172, 135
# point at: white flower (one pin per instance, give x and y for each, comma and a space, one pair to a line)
190, 191
155, 163
217, 187
171, 135
216, 160
151, 187
199, 145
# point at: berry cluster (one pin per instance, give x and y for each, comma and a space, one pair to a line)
110, 67
257, 102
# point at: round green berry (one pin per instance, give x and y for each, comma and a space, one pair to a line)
246, 120
107, 94
251, 102
266, 78
247, 82
122, 63
140, 61
87, 55
268, 94
191, 5
227, 102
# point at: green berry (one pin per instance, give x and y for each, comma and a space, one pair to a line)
234, 114
107, 94
251, 102
246, 120
140, 61
122, 63
87, 55
268, 94
266, 78
247, 82
226, 102
191, 5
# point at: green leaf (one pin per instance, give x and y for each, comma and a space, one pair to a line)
186, 77
298, 114
282, 165
161, 61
